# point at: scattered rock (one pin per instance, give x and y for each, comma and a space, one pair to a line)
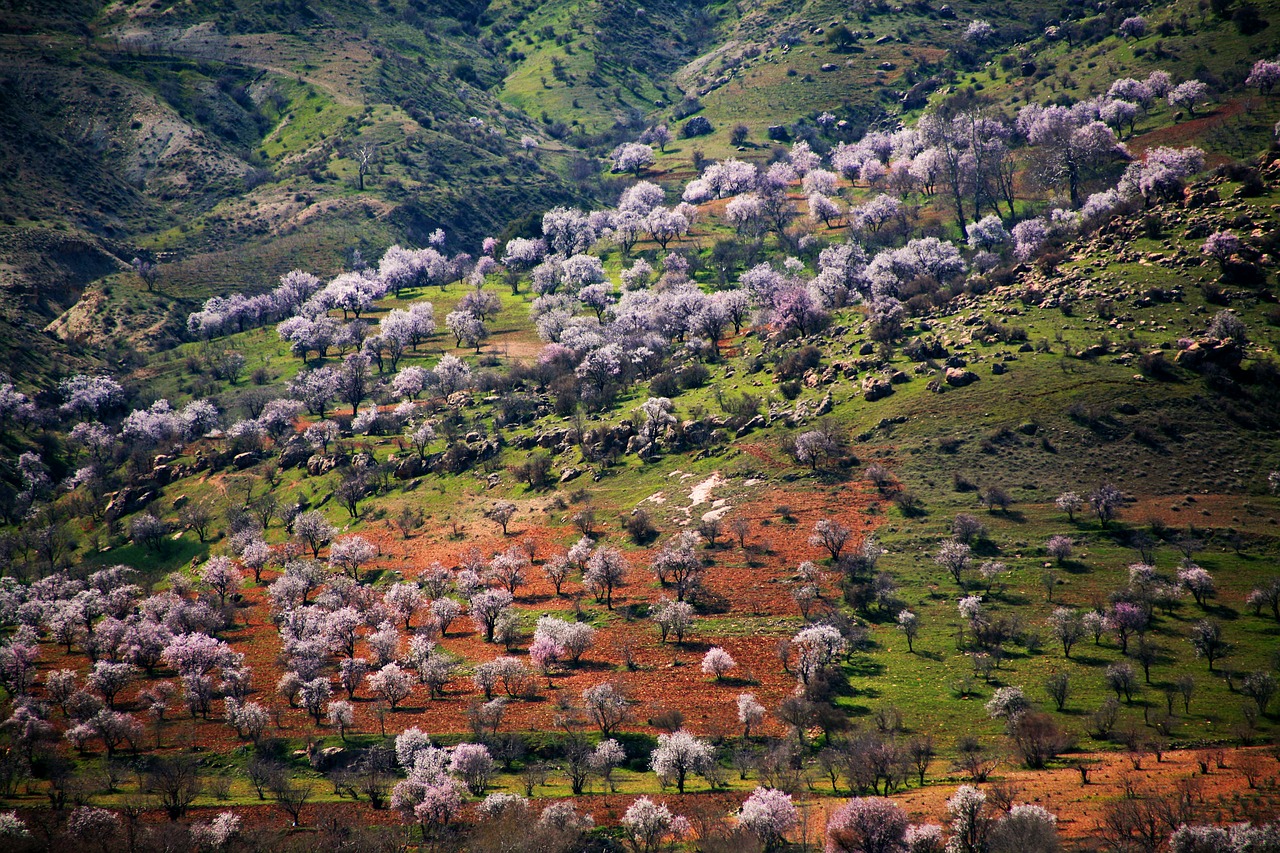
757, 422
127, 500
295, 453
409, 467
1224, 352
958, 377
874, 388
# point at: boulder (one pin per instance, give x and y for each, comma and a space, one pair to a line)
1198, 197
757, 422
1224, 352
875, 388
127, 500
244, 460
409, 467
958, 377
295, 453
318, 464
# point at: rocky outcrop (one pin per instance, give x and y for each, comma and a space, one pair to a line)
876, 388
1222, 352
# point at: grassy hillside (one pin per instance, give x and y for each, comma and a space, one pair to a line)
235, 141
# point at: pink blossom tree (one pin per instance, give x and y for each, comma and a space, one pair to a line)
867, 825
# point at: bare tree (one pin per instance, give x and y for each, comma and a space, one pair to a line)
176, 782
365, 156
292, 796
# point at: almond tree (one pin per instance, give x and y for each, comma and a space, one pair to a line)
391, 684
1198, 581
769, 814
1187, 94
1067, 626
867, 825
1207, 641
487, 608
507, 570
607, 706
679, 754
342, 714
970, 821
632, 157
909, 625
221, 576
1070, 146
474, 764
717, 663
349, 554
832, 535
954, 557
673, 618
679, 563
606, 571
648, 824
556, 571
109, 679
1264, 75
314, 695
402, 601
314, 530
750, 712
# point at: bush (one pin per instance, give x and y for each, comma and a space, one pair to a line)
640, 527
665, 385
693, 375
744, 407
795, 364
535, 470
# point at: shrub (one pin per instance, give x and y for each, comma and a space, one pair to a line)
665, 384
795, 364
693, 375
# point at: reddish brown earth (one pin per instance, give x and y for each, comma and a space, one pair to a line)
1221, 797
1188, 131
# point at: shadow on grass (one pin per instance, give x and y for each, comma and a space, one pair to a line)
1072, 567
864, 667
1088, 660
